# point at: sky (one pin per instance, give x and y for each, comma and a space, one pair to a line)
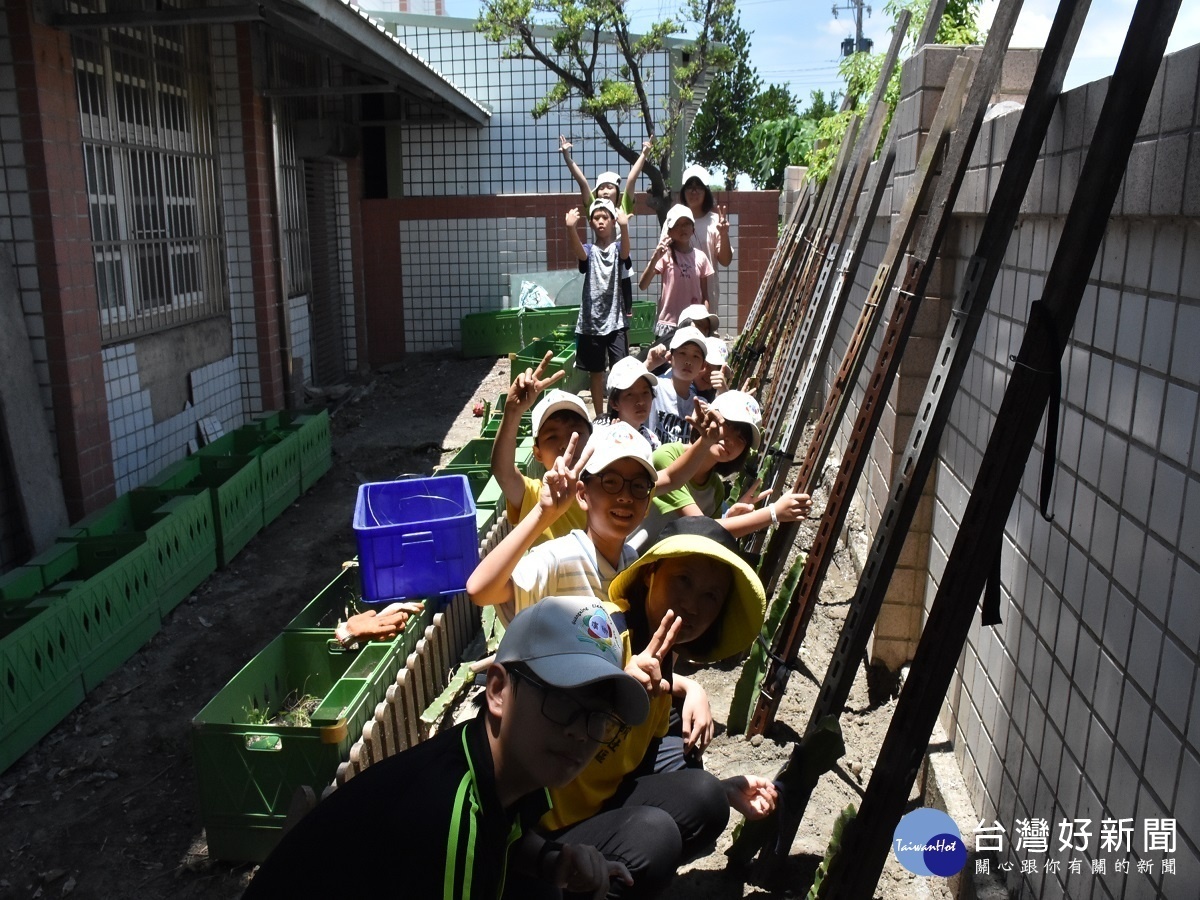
797, 42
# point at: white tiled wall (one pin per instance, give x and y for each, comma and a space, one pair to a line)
299, 323
142, 446
1085, 702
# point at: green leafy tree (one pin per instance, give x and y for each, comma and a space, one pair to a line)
566, 37
718, 137
775, 102
959, 25
790, 140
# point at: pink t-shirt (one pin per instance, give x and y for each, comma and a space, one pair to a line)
682, 274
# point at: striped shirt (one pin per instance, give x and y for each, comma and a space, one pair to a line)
565, 567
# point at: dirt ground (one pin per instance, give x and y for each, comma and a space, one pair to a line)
106, 804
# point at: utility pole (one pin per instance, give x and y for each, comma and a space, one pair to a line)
860, 44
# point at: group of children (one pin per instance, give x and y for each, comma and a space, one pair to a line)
583, 773
693, 239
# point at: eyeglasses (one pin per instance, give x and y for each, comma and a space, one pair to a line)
613, 483
563, 709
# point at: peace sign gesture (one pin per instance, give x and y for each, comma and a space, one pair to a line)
523, 392
722, 218
646, 666
558, 484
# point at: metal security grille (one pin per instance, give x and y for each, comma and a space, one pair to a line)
329, 356
291, 67
152, 175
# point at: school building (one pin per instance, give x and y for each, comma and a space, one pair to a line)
206, 207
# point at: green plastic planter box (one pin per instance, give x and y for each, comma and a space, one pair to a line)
278, 451
39, 678
179, 529
476, 455
529, 357
641, 327
111, 594
312, 428
491, 333
235, 485
247, 774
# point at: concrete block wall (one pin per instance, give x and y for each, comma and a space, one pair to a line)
1085, 702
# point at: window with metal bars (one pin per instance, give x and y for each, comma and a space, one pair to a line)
152, 175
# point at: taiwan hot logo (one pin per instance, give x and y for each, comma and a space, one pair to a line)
927, 842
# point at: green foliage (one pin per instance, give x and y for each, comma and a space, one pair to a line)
959, 25
792, 140
718, 134
835, 845
565, 37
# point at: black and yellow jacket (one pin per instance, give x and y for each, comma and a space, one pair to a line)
425, 823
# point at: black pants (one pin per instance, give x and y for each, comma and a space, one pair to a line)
655, 824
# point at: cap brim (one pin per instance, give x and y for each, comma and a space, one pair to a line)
741, 618
569, 671
625, 384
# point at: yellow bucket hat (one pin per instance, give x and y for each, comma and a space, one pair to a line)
741, 618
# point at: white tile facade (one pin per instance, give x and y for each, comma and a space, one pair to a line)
1084, 703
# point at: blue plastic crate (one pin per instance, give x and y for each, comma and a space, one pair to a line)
416, 538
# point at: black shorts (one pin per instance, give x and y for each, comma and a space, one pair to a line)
597, 352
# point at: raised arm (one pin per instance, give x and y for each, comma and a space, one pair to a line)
724, 249
522, 394
491, 583
635, 172
648, 273
791, 507
572, 221
585, 189
681, 470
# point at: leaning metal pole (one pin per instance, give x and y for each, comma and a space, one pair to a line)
855, 870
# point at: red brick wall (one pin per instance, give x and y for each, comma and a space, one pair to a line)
758, 230
58, 201
264, 249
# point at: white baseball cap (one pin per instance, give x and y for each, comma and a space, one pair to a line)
689, 334
677, 212
608, 178
554, 401
717, 351
625, 373
737, 406
601, 203
698, 172
618, 441
697, 312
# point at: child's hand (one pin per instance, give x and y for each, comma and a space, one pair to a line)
706, 421
656, 356
564, 146
523, 392
380, 625
647, 146
573, 217
751, 795
748, 501
646, 666
698, 725
748, 386
716, 378
622, 218
722, 219
581, 868
792, 507
558, 484
662, 248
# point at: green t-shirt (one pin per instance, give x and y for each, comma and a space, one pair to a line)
626, 201
708, 494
